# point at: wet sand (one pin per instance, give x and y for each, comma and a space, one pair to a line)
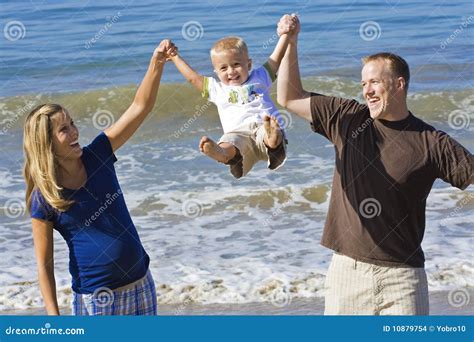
315, 306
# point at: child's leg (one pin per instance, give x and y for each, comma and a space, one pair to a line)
272, 143
223, 153
273, 135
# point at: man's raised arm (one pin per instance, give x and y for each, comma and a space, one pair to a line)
290, 92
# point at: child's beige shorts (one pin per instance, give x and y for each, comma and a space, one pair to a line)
248, 139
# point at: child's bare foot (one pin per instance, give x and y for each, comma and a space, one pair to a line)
273, 136
222, 153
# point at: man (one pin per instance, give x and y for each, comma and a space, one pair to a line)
386, 162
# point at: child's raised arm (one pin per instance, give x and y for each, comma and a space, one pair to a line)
193, 77
277, 55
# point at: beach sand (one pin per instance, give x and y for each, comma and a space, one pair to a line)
315, 306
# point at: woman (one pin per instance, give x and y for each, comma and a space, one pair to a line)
75, 191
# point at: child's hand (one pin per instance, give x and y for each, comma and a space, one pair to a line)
172, 51
165, 51
288, 24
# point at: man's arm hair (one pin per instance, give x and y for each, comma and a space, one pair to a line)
290, 92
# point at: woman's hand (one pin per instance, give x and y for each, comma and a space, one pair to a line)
165, 51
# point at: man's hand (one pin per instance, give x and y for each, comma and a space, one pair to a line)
288, 24
165, 51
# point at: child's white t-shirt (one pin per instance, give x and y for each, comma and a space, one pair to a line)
245, 103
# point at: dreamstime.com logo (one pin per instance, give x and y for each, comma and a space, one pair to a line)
285, 120
180, 309
46, 330
459, 297
370, 30
361, 128
192, 208
192, 30
103, 297
279, 210
270, 41
281, 298
459, 119
464, 25
14, 208
200, 110
20, 113
456, 211
14, 30
102, 119
370, 208
110, 198
88, 44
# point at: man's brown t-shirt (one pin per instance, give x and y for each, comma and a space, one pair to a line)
384, 173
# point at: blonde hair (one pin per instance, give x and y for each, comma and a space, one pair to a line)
40, 168
229, 43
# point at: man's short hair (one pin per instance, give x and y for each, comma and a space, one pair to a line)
398, 66
230, 43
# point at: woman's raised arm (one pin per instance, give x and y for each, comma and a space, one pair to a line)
144, 100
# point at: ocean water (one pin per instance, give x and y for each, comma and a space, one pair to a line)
213, 239
89, 45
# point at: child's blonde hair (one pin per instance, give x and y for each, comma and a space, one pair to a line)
40, 168
230, 43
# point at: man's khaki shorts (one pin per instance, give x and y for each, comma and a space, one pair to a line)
354, 287
248, 139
